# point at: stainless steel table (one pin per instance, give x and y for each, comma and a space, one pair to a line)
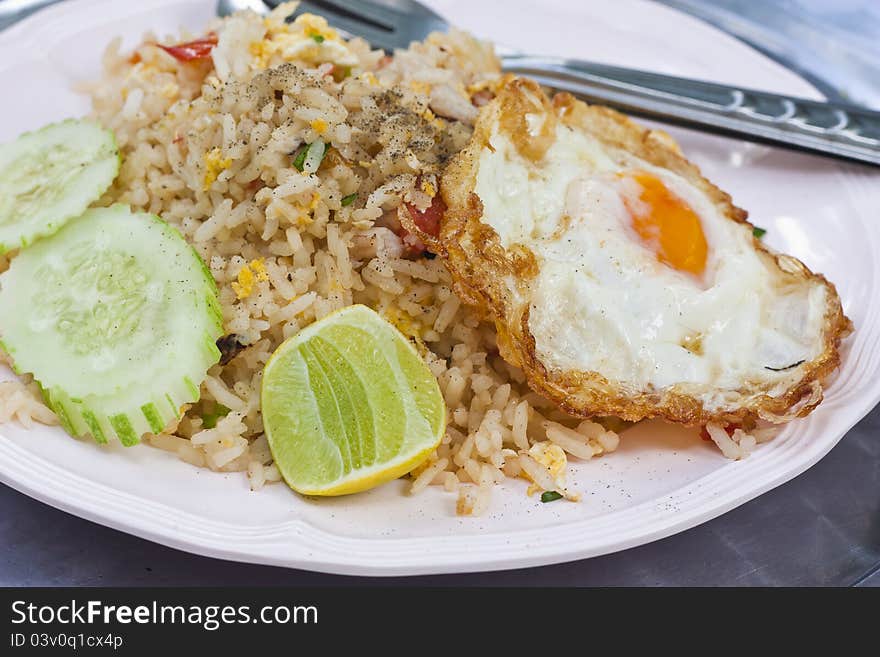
823, 528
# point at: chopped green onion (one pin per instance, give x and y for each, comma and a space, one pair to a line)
550, 496
316, 152
317, 38
759, 232
340, 72
300, 157
308, 157
209, 420
348, 200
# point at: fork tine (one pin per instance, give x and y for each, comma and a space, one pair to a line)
372, 12
377, 37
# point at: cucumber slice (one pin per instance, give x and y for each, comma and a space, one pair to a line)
50, 176
116, 316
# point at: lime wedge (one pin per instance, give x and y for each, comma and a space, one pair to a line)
349, 404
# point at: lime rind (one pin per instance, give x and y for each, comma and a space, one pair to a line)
348, 404
122, 338
50, 176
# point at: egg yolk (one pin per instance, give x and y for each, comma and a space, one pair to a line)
668, 225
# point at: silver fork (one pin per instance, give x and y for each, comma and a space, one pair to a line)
834, 129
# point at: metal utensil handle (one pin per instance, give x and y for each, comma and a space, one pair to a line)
12, 11
832, 129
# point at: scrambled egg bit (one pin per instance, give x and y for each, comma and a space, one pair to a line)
308, 39
433, 119
304, 216
409, 326
249, 274
214, 165
151, 73
552, 457
403, 322
428, 188
420, 87
371, 78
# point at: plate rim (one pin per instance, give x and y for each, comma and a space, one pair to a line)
304, 541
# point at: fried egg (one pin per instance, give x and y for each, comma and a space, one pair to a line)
622, 281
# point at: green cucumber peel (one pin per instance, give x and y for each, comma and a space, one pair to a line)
50, 176
117, 318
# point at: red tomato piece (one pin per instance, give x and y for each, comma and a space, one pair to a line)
192, 50
428, 220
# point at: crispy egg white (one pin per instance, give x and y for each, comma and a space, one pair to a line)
621, 280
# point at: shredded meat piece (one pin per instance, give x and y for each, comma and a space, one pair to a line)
230, 346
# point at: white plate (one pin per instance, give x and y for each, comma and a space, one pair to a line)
661, 481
